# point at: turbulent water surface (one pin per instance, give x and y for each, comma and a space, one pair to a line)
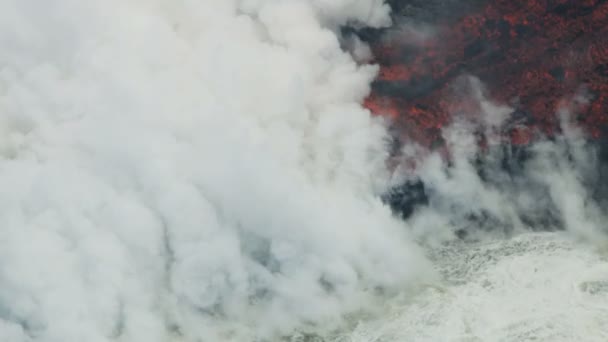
533, 287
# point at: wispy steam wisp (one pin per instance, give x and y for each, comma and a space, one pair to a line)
481, 181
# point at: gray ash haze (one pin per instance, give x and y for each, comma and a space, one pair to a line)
189, 171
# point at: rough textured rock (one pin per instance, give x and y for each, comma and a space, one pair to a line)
536, 56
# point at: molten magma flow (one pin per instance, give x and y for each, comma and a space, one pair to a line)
534, 56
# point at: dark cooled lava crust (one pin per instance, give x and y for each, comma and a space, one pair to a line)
532, 55
535, 56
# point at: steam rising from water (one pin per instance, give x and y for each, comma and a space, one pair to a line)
552, 184
187, 170
203, 170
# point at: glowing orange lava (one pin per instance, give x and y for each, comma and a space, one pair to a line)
532, 55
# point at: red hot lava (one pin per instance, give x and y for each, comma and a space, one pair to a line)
531, 55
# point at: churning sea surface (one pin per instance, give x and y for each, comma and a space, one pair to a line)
532, 287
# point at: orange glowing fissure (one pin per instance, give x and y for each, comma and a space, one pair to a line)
534, 56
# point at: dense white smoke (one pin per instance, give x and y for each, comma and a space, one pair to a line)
189, 171
204, 171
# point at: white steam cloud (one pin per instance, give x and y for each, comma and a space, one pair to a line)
189, 171
204, 171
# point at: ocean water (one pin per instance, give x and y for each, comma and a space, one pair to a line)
532, 287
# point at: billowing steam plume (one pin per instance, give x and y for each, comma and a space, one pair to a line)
189, 170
